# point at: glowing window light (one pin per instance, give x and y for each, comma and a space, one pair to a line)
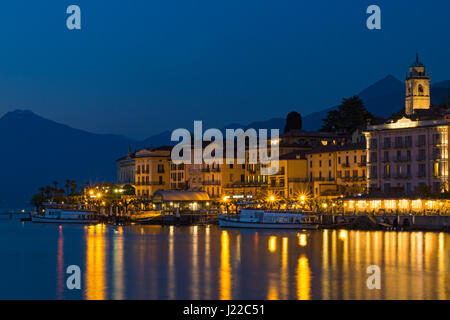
351, 204
403, 204
375, 204
361, 204
416, 204
390, 204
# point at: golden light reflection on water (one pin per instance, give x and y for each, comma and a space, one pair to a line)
225, 269
96, 268
303, 279
118, 265
328, 264
207, 280
60, 272
194, 267
284, 269
273, 244
302, 240
171, 265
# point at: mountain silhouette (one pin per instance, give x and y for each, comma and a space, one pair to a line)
38, 151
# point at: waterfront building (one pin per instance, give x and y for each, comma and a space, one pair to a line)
409, 153
176, 201
126, 169
299, 140
291, 179
335, 170
152, 169
179, 176
391, 205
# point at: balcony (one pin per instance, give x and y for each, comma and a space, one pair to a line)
353, 179
362, 164
346, 165
246, 184
436, 143
207, 170
322, 179
421, 158
211, 183
402, 159
436, 156
387, 146
298, 180
402, 176
279, 172
150, 183
277, 185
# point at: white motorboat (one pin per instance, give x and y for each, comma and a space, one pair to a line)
60, 213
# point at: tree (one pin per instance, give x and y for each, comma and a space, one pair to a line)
73, 186
38, 199
293, 121
350, 116
67, 187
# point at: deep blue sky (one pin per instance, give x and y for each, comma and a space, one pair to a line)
140, 66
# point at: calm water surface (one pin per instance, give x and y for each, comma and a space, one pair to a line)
201, 262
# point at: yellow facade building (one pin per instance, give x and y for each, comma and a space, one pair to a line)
336, 170
152, 171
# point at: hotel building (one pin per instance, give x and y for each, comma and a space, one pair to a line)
151, 171
410, 154
126, 169
337, 170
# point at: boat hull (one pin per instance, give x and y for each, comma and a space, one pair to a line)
52, 220
255, 225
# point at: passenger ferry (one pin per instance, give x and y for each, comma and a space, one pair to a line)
60, 213
270, 219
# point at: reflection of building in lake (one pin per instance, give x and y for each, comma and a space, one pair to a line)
96, 266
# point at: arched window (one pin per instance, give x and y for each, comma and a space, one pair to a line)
420, 89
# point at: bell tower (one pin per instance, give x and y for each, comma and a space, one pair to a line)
417, 88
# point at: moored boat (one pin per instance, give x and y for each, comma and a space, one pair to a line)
60, 213
270, 219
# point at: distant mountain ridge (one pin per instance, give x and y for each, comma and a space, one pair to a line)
38, 151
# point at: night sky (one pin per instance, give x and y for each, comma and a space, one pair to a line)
138, 67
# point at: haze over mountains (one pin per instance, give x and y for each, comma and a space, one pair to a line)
38, 151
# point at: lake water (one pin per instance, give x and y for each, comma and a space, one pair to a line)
207, 262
